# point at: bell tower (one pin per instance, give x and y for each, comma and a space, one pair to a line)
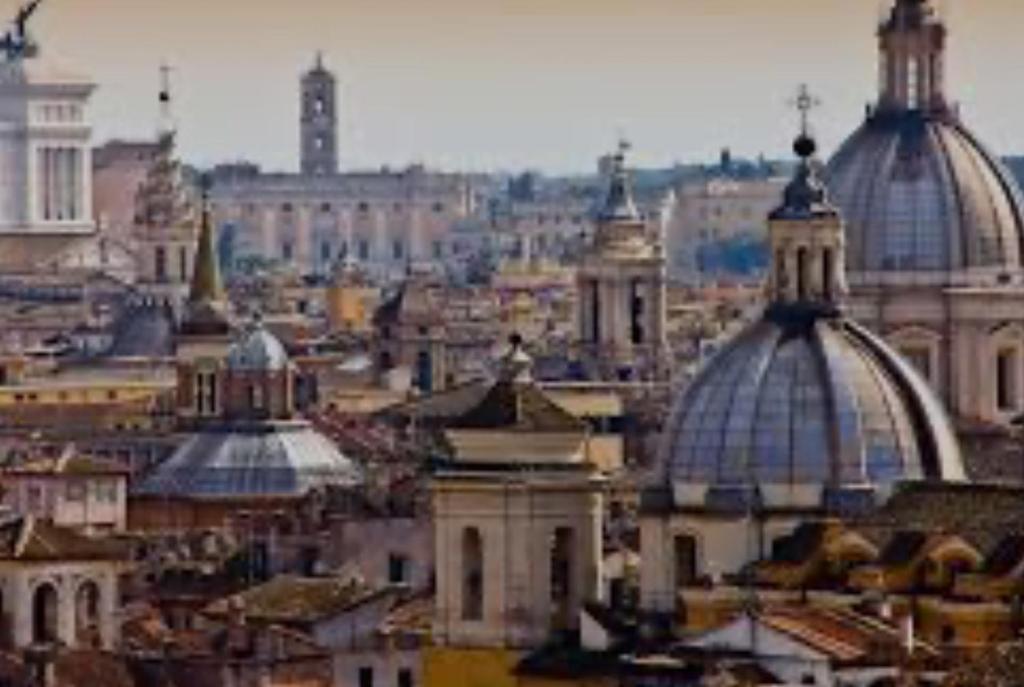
620, 324
318, 121
912, 55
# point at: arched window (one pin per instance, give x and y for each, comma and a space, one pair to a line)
913, 83
801, 274
1006, 380
87, 614
160, 264
827, 274
44, 614
561, 565
424, 371
472, 574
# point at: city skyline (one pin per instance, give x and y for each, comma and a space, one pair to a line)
510, 85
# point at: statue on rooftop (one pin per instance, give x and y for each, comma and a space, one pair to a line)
17, 43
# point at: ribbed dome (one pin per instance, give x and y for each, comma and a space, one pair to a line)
804, 401
920, 194
281, 459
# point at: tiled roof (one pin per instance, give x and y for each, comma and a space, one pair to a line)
518, 406
297, 600
28, 539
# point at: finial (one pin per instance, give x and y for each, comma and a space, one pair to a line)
319, 60
804, 102
515, 341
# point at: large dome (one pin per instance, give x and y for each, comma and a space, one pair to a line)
809, 410
921, 195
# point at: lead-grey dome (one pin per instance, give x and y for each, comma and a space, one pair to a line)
257, 351
278, 459
920, 194
804, 401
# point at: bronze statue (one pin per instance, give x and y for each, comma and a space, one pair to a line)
16, 42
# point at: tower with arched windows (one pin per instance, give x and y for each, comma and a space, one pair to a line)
517, 519
319, 123
620, 284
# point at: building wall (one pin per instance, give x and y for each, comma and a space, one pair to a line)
385, 219
517, 524
88, 502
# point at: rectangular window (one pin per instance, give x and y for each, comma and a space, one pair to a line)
1006, 380
75, 492
405, 677
366, 677
397, 568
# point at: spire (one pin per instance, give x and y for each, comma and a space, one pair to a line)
912, 53
619, 205
206, 284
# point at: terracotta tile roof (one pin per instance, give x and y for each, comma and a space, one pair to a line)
290, 599
29, 539
842, 634
67, 463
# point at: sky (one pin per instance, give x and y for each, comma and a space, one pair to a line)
484, 85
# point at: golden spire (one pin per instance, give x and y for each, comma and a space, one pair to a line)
206, 284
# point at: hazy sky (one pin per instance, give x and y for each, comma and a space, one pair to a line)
485, 84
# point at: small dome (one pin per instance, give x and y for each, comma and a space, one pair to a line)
798, 400
243, 461
919, 193
257, 351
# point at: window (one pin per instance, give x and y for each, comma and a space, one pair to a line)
561, 565
1006, 380
325, 251
366, 677
364, 249
160, 263
286, 251
801, 273
75, 492
255, 397
920, 357
685, 553
183, 263
319, 105
363, 207
398, 568
913, 83
472, 574
397, 249
405, 677
438, 250
438, 207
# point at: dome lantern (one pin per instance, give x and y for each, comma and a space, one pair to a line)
912, 45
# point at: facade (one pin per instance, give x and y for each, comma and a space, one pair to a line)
386, 219
714, 214
306, 222
621, 291
804, 412
57, 586
935, 225
517, 521
69, 490
46, 197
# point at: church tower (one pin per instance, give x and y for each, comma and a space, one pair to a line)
319, 121
204, 335
165, 222
517, 519
621, 289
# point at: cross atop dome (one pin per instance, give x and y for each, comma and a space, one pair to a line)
805, 102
